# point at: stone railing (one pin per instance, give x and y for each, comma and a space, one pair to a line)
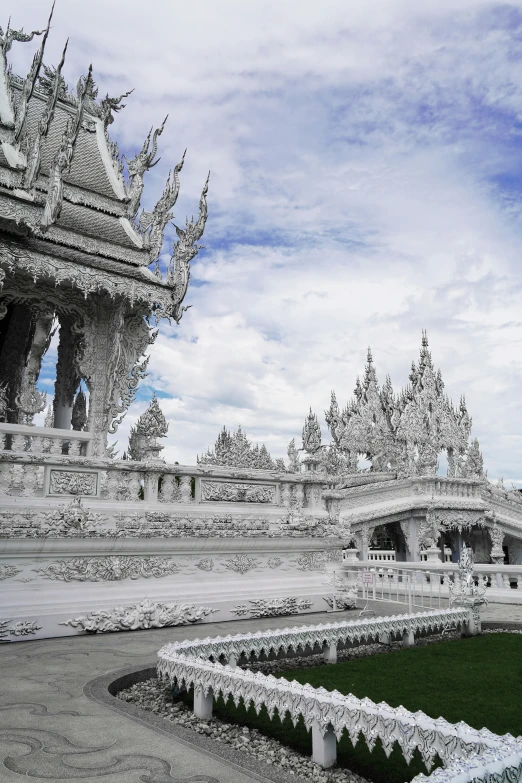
382, 555
454, 487
328, 714
21, 438
157, 481
488, 575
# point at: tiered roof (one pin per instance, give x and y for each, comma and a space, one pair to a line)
67, 210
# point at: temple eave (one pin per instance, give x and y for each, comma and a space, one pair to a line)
85, 278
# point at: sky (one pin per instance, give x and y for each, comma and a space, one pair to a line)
366, 183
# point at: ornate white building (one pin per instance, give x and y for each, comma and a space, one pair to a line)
137, 541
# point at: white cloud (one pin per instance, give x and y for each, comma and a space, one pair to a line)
366, 183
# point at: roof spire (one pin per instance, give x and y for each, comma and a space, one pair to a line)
30, 82
64, 157
34, 152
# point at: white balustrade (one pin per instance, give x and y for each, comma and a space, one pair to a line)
44, 440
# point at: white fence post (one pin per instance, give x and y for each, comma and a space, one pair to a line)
203, 704
324, 747
330, 653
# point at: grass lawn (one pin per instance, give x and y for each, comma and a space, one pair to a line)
477, 680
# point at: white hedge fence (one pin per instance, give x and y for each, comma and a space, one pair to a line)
467, 754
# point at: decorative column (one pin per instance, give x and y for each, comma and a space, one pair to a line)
299, 495
285, 494
16, 335
185, 488
497, 539
365, 536
465, 593
67, 377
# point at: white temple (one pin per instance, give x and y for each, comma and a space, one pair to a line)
84, 535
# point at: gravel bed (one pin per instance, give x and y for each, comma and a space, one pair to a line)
154, 696
157, 698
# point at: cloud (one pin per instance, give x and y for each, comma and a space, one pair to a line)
366, 184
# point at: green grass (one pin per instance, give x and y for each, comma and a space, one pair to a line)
477, 680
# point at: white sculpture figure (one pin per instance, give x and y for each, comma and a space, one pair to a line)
464, 592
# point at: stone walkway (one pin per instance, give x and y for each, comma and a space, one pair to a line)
51, 729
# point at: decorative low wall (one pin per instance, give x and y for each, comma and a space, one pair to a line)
80, 535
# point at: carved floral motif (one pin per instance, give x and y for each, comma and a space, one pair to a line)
272, 607
207, 564
237, 493
112, 568
7, 571
68, 482
22, 628
147, 614
242, 563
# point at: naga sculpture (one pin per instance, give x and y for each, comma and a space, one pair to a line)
185, 250
154, 222
6, 41
137, 167
29, 84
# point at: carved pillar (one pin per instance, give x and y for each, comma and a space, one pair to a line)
497, 539
67, 377
364, 538
16, 335
39, 346
102, 335
115, 338
299, 495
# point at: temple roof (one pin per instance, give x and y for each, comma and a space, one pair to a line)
62, 182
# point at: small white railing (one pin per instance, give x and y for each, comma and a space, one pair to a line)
424, 576
382, 554
43, 440
327, 714
502, 764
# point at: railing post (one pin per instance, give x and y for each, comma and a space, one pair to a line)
203, 704
232, 662
470, 627
151, 487
408, 639
324, 746
330, 653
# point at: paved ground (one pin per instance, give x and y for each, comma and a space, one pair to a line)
50, 730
